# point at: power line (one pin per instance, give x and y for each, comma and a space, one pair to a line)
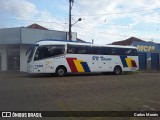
136, 11
125, 27
114, 34
30, 21
101, 32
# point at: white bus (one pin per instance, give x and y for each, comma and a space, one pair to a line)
62, 57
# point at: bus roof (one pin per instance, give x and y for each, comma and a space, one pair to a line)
61, 42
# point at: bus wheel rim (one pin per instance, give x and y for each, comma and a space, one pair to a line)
61, 72
117, 71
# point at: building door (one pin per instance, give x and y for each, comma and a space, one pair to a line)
142, 61
154, 61
13, 57
0, 63
13, 62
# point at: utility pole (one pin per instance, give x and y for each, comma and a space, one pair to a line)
70, 24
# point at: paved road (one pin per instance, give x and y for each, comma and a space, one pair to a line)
132, 92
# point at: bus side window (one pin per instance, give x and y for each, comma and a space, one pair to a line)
113, 51
107, 51
131, 52
71, 49
134, 52
42, 52
116, 51
81, 50
56, 50
48, 51
93, 50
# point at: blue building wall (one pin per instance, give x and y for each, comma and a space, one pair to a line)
147, 47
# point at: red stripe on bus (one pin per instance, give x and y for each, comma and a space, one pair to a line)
71, 64
133, 63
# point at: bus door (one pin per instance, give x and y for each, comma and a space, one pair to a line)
39, 59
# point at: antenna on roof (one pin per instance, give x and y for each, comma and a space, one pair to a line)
92, 41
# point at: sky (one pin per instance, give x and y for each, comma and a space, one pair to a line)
104, 21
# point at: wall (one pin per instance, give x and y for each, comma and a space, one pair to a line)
10, 36
0, 60
3, 52
148, 48
30, 36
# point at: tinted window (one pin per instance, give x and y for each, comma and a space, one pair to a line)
94, 50
134, 52
127, 51
81, 49
76, 49
107, 50
48, 51
115, 51
121, 51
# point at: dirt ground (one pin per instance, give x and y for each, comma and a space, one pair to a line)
91, 92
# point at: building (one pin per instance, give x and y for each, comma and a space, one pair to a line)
14, 43
148, 52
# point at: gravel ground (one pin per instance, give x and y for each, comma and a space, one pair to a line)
91, 92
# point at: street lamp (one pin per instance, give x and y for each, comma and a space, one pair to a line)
70, 30
79, 19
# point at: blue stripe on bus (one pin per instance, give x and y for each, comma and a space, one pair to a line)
124, 61
85, 66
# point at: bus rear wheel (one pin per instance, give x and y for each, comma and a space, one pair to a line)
61, 71
117, 70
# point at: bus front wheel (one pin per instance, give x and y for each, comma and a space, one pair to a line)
117, 70
61, 71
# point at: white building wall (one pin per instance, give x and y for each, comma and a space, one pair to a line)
0, 60
3, 52
23, 58
30, 36
10, 36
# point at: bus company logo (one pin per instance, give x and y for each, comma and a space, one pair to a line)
128, 62
102, 58
146, 48
6, 114
77, 65
38, 65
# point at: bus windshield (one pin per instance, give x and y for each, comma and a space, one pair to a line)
31, 52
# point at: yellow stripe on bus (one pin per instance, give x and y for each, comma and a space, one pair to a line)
128, 60
78, 65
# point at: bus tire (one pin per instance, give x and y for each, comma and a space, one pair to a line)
60, 71
117, 70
